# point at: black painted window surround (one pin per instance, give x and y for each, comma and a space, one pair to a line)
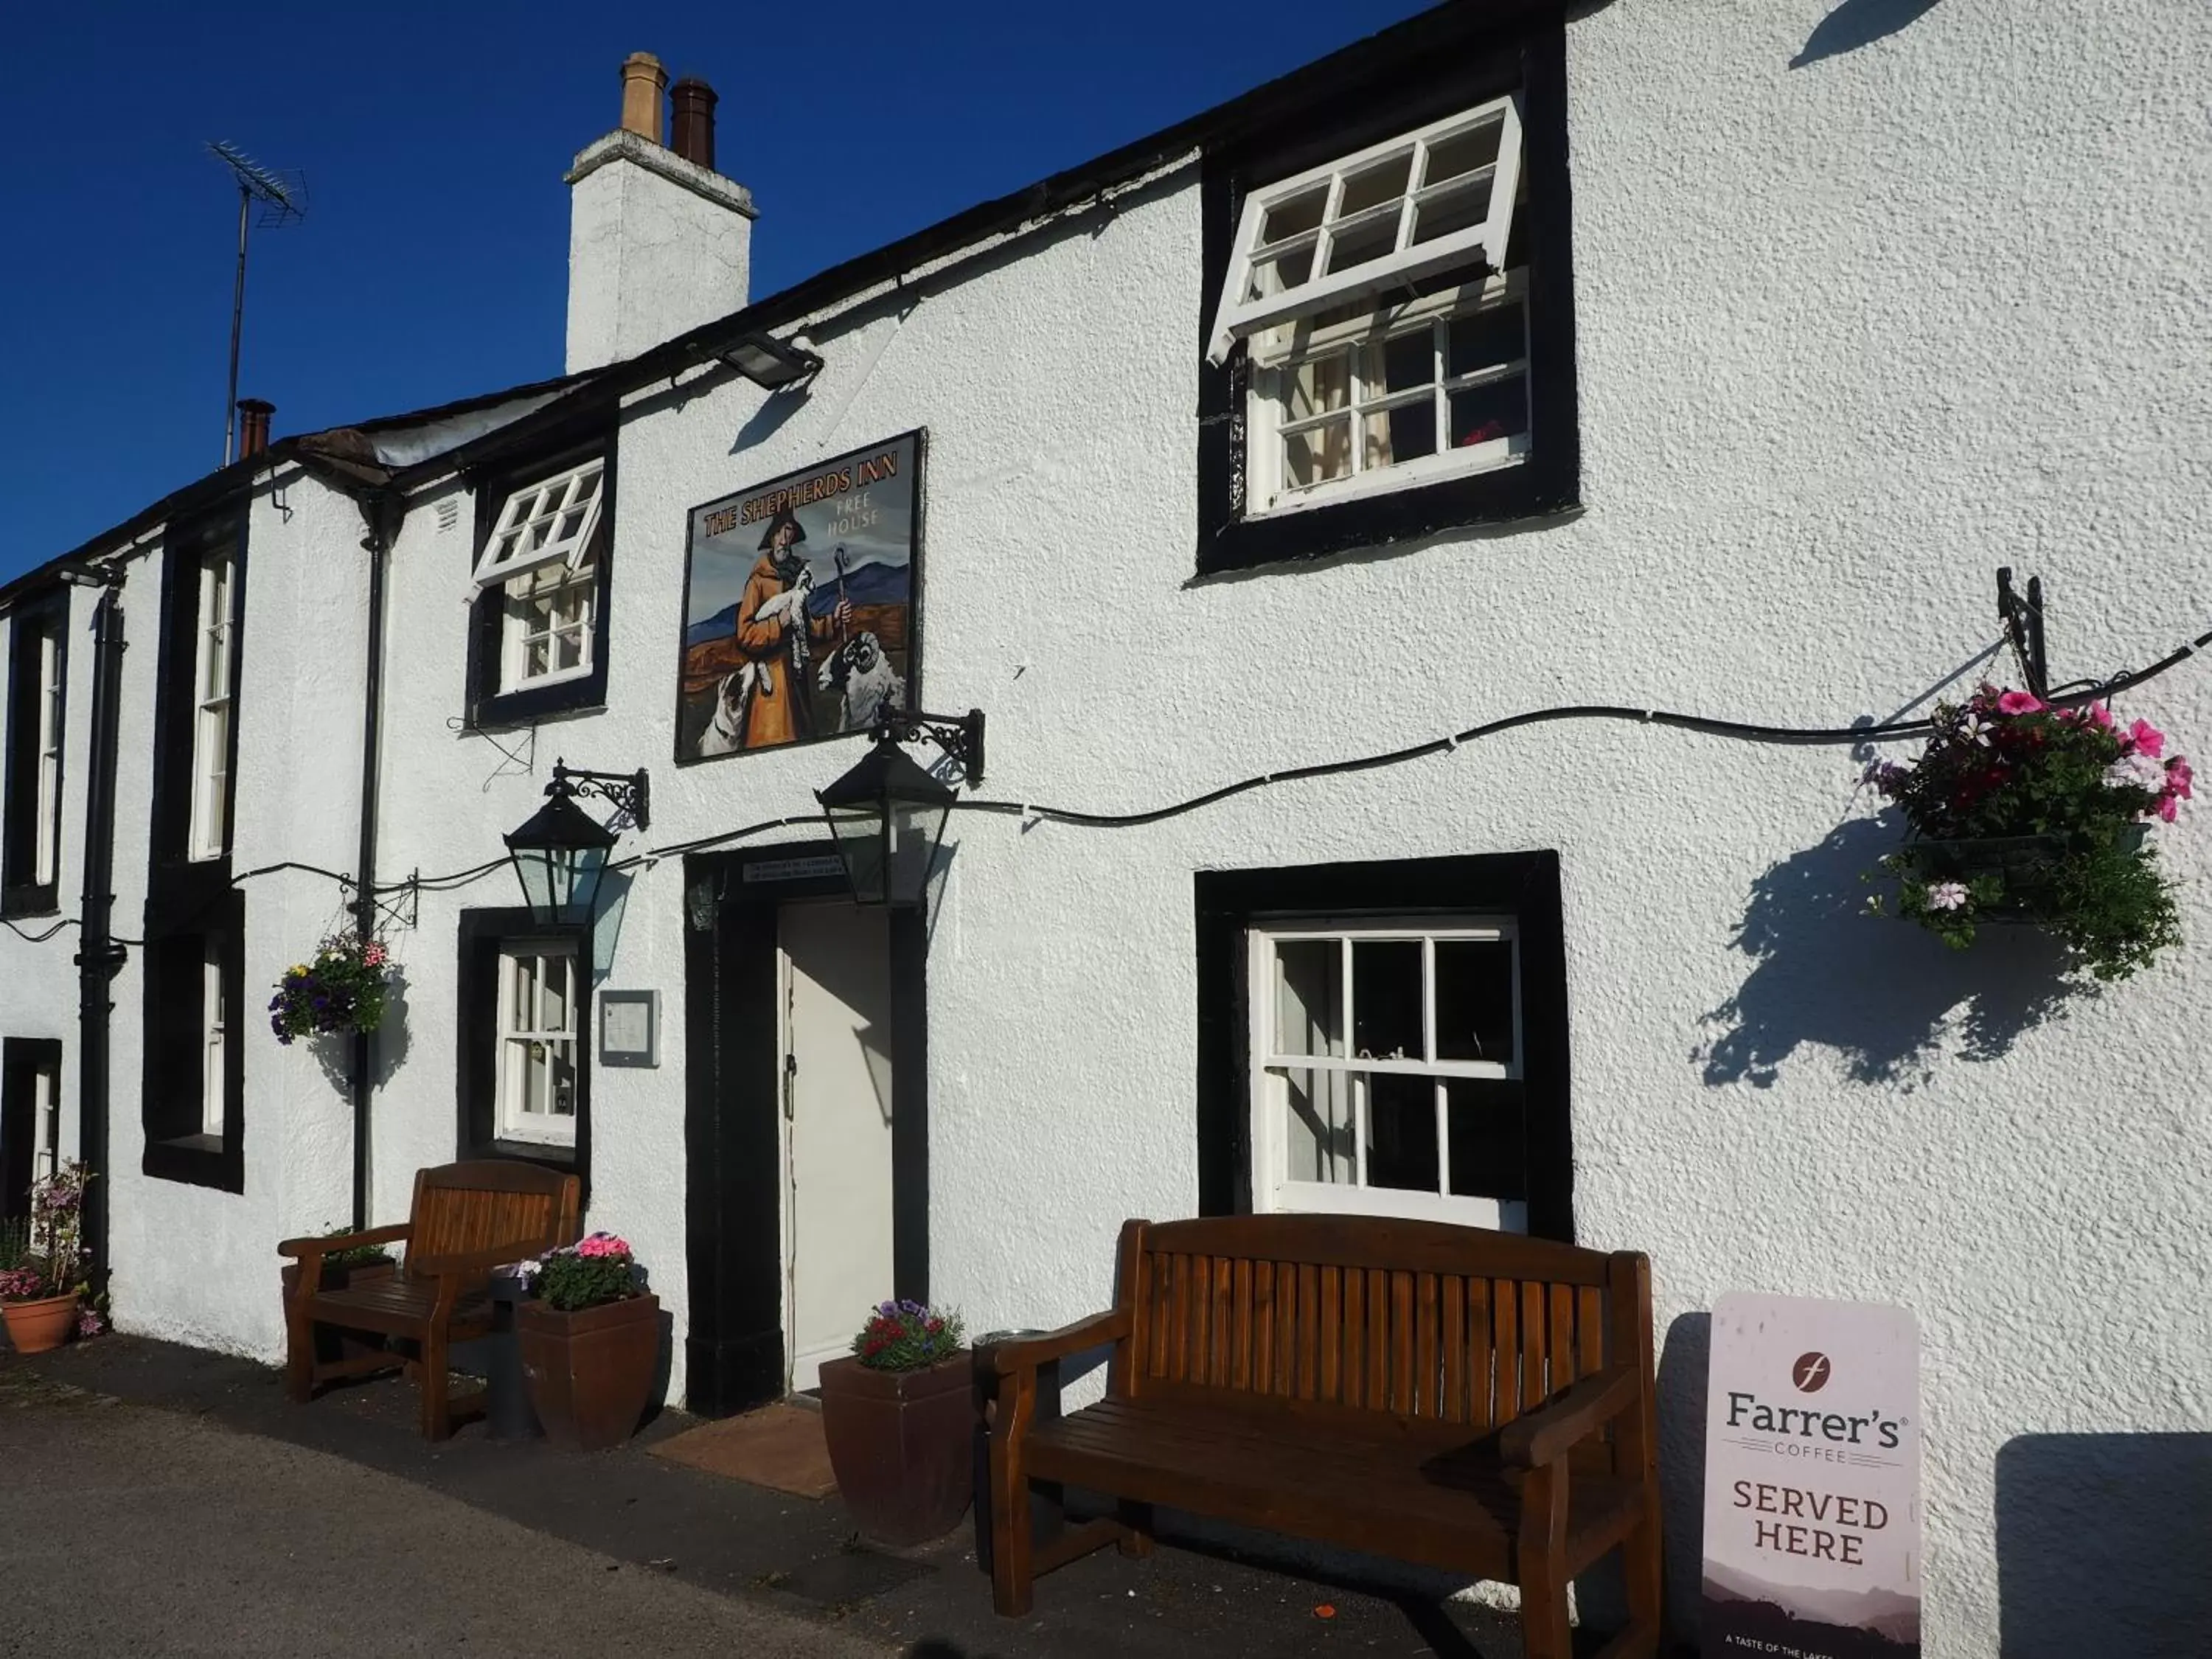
488, 704
482, 933
37, 636
1523, 886
1547, 481
193, 913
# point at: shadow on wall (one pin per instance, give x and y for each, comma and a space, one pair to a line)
1880, 991
1855, 23
387, 1049
2103, 1542
1684, 1364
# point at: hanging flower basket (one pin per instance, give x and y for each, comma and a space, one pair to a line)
2026, 813
343, 989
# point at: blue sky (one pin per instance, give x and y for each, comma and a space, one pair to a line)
433, 262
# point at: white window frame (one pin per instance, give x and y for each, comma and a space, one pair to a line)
1280, 352
45, 1120
512, 1119
215, 1042
45, 864
1272, 1188
213, 712
550, 521
1238, 314
516, 634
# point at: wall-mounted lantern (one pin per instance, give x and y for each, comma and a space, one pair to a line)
889, 815
561, 852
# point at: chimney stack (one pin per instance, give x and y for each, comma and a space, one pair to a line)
642, 81
659, 242
693, 137
253, 426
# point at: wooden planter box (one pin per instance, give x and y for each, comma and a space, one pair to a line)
902, 1445
590, 1373
334, 1343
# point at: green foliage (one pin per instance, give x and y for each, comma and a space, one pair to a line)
343, 989
15, 1242
2027, 814
355, 1255
586, 1274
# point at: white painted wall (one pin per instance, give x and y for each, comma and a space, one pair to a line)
1851, 335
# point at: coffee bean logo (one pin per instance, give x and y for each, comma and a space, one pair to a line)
1811, 1372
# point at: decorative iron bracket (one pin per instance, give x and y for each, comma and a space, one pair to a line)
2023, 622
630, 793
960, 735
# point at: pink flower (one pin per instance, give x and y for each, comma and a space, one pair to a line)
372, 956
2019, 702
2178, 777
2098, 714
2167, 806
602, 1245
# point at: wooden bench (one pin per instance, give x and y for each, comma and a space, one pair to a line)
1471, 1401
466, 1220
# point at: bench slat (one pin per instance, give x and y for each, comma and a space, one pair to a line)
1371, 1242
1416, 1495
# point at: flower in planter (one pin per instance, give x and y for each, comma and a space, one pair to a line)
343, 989
906, 1336
589, 1273
2035, 813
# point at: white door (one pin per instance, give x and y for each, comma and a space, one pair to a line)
837, 1127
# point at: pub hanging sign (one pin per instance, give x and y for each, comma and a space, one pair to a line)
1812, 1481
798, 604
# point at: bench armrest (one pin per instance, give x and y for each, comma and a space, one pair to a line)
335, 1241
1548, 1432
1027, 1353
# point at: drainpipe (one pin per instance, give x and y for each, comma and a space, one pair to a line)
98, 956
382, 511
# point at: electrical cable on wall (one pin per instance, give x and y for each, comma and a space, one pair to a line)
2070, 695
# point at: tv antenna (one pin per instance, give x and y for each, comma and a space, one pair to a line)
283, 200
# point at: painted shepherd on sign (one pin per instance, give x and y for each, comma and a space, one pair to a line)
1812, 1480
798, 604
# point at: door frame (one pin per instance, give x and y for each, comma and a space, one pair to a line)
734, 1348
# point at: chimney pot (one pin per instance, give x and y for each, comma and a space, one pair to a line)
694, 127
253, 415
643, 80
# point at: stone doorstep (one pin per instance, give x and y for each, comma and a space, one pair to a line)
1194, 1597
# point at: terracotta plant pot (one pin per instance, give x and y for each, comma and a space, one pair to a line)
37, 1327
590, 1373
901, 1444
332, 1343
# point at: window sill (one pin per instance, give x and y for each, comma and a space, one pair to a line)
585, 695
19, 902
529, 1151
1528, 494
196, 1160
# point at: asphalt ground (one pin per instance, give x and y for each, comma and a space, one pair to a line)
158, 1499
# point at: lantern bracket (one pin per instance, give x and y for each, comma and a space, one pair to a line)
630, 793
960, 735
